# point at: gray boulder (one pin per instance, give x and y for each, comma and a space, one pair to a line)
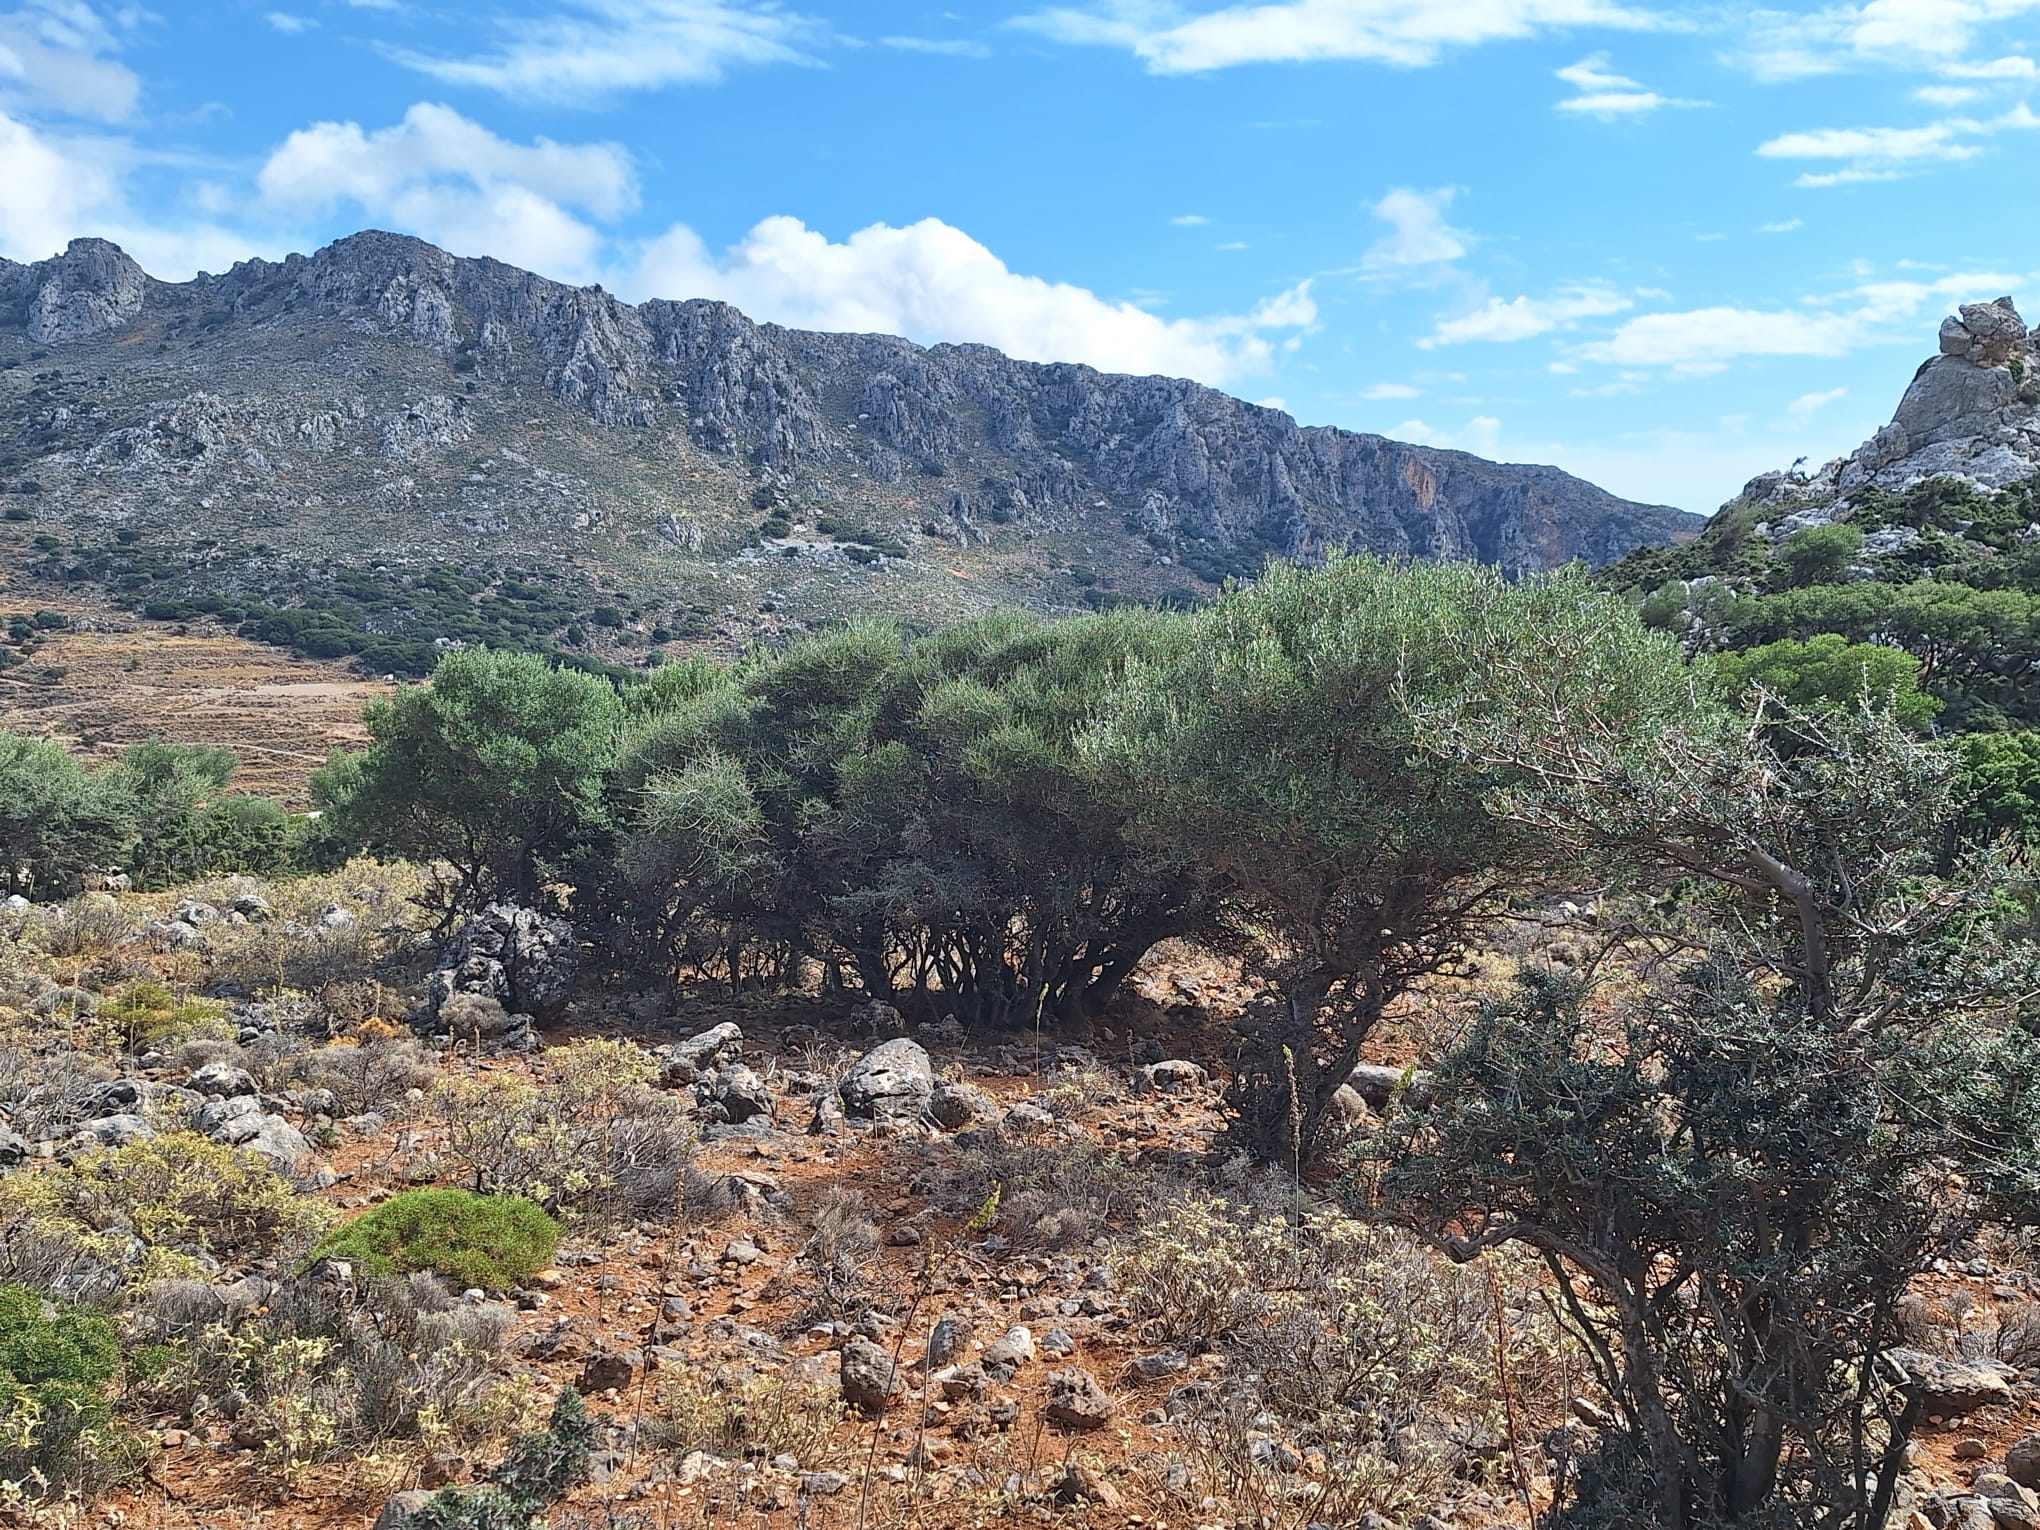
2022, 1461
891, 1082
1949, 1388
1377, 1085
686, 1061
957, 1107
112, 1131
403, 1511
870, 1380
735, 1093
522, 959
242, 1122
223, 1079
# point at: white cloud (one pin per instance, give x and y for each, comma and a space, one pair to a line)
1707, 339
1882, 153
2013, 68
952, 47
1948, 95
1388, 390
1607, 95
600, 48
1937, 34
57, 54
459, 185
1419, 234
1481, 435
1189, 220
1807, 405
1785, 227
49, 193
1170, 39
1521, 318
288, 24
933, 282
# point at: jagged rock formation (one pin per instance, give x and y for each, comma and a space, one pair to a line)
385, 402
1972, 412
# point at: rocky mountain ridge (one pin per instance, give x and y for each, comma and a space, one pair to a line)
385, 404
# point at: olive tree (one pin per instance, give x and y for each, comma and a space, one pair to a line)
495, 766
1812, 1083
57, 819
1272, 744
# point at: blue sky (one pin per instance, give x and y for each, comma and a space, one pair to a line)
1663, 246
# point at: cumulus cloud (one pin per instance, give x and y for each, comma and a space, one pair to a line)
1609, 96
58, 55
1388, 390
1418, 233
933, 282
49, 193
1521, 318
458, 184
1174, 39
1883, 153
595, 49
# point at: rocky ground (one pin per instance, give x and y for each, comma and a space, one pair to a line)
902, 1275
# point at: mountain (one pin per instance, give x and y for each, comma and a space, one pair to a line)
1926, 539
385, 444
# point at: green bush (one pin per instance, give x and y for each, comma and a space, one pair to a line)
491, 1241
56, 1425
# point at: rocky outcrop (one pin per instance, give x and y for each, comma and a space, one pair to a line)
514, 957
314, 347
1971, 412
89, 289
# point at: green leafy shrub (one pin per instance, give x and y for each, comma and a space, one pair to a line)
491, 1241
146, 1012
57, 1435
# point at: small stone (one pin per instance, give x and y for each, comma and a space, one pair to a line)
869, 1379
1077, 1401
609, 1370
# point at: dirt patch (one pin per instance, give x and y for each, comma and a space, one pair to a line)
111, 680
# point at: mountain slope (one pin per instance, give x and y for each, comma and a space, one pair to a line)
407, 440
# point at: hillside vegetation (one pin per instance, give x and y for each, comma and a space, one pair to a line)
1394, 1042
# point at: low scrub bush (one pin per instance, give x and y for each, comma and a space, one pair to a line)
539, 1469
153, 1208
147, 1014
57, 1435
590, 1136
1054, 1193
741, 1413
369, 1071
1380, 1353
325, 1370
491, 1241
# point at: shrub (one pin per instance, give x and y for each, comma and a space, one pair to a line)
324, 1370
180, 1194
57, 1436
146, 1013
1381, 1353
538, 1470
591, 1136
491, 1241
